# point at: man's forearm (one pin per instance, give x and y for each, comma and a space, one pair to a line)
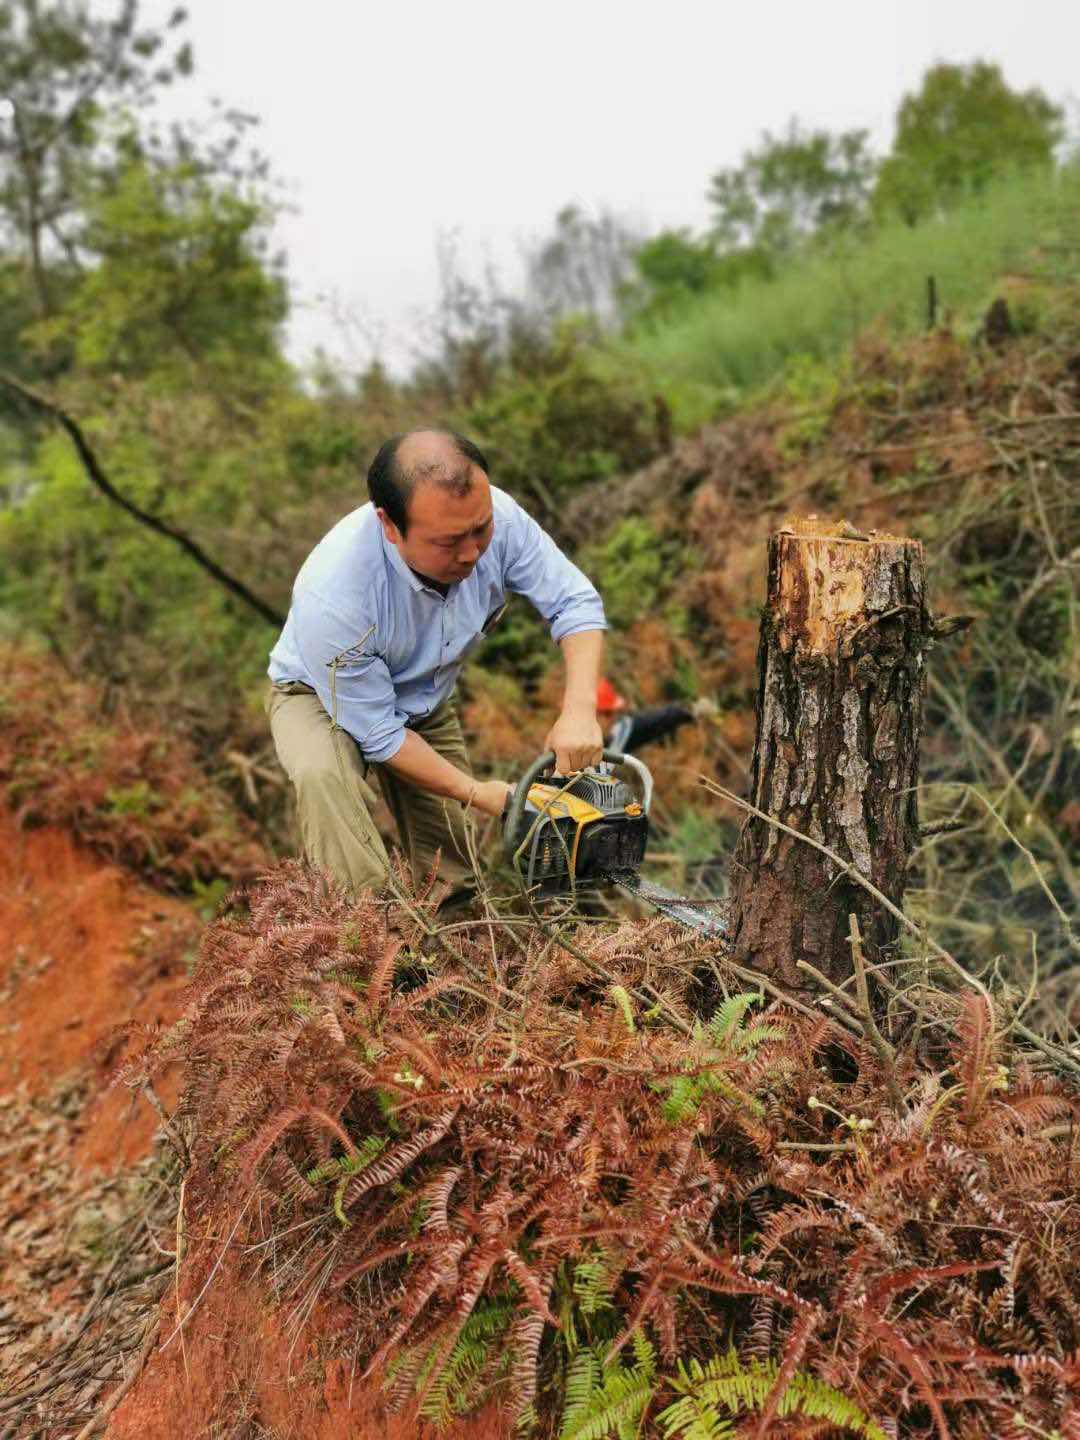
425, 768
422, 766
575, 737
583, 654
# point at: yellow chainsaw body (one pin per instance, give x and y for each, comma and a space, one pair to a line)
575, 812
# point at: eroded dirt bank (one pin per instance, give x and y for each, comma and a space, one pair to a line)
83, 948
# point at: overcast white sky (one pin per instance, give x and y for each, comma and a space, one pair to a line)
391, 122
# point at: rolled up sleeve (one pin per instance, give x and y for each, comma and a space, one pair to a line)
357, 692
538, 569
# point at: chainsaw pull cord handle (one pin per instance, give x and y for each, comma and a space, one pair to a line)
545, 762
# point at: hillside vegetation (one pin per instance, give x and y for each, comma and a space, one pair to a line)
1019, 233
578, 1176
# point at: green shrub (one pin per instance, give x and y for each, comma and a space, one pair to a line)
569, 422
631, 569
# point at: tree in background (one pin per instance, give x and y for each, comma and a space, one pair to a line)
61, 73
581, 266
789, 190
674, 267
962, 129
483, 328
791, 187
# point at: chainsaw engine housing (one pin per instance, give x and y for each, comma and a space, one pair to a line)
578, 831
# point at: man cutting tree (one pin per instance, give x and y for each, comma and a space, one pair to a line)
384, 611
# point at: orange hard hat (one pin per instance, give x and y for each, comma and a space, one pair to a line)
608, 698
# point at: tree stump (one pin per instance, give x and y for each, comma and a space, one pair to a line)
839, 715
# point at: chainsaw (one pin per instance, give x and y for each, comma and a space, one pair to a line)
565, 832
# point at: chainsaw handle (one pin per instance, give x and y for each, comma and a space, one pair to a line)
545, 762
520, 792
640, 769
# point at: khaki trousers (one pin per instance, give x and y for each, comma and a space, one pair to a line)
335, 801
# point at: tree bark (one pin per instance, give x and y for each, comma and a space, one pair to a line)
839, 716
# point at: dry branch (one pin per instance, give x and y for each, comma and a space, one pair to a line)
97, 476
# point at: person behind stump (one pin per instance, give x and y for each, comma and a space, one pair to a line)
628, 730
384, 612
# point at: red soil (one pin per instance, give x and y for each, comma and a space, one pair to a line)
241, 1366
83, 948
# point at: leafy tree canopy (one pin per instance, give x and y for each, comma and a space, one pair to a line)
179, 278
674, 267
61, 71
791, 186
963, 128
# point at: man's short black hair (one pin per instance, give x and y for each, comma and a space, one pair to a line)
390, 486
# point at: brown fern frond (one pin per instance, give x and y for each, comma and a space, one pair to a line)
273, 1130
383, 1171
532, 1284
794, 1351
523, 1340
381, 974
432, 1277
977, 1053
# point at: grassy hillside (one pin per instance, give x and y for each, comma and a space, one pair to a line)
734, 341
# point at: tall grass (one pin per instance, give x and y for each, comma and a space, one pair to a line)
743, 338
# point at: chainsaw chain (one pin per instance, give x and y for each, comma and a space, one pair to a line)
674, 906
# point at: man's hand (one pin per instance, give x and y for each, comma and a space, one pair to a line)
577, 740
490, 797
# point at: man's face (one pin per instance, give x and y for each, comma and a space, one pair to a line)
447, 533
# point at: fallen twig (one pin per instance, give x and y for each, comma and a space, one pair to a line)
98, 1420
883, 1049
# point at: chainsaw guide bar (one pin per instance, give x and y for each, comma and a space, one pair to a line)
686, 909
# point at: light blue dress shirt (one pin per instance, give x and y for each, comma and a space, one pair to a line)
398, 643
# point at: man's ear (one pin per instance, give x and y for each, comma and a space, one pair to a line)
390, 530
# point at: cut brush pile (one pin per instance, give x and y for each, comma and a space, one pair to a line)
587, 1177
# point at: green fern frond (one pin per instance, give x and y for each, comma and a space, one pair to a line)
727, 1019
724, 1383
605, 1402
343, 1167
476, 1362
621, 997
581, 1379
695, 1419
593, 1283
727, 1034
726, 1029
615, 1408
687, 1092
527, 1421
644, 1354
